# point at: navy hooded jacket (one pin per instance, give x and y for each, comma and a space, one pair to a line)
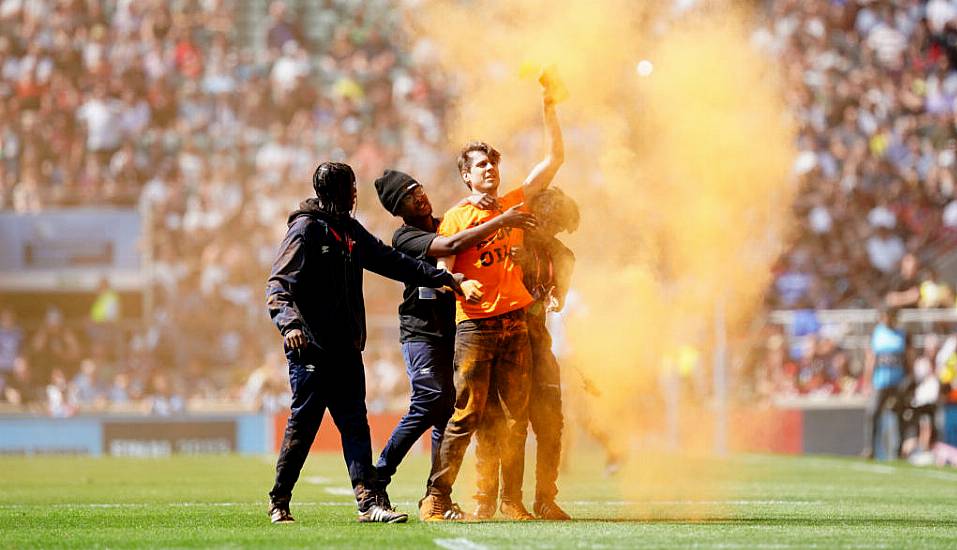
316, 279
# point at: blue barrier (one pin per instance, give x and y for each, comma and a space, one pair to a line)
42, 435
126, 435
254, 434
830, 431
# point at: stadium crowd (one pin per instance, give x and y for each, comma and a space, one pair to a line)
161, 106
157, 105
873, 86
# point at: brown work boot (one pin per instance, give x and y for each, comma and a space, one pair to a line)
515, 510
548, 509
484, 510
439, 508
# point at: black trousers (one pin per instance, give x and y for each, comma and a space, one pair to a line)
872, 417
323, 380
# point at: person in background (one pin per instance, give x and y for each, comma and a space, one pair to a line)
105, 315
164, 397
921, 401
946, 368
119, 391
282, 28
884, 369
85, 386
106, 305
934, 292
11, 341
22, 387
60, 402
54, 346
812, 367
906, 291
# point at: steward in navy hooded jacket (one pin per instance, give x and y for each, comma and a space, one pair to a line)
316, 279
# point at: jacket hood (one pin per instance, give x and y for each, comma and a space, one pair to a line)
310, 208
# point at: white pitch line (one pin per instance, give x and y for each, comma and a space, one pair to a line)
317, 480
874, 468
459, 544
859, 466
340, 491
949, 476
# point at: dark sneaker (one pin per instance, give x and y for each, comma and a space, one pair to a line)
279, 513
382, 499
515, 510
439, 508
484, 511
379, 514
550, 510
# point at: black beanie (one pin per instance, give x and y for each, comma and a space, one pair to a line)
392, 186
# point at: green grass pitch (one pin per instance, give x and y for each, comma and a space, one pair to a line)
219, 501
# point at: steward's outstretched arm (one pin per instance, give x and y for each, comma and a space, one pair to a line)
453, 244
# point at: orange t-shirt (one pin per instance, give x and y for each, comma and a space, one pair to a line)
489, 261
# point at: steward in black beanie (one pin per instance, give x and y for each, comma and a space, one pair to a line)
392, 186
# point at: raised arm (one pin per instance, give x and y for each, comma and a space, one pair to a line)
541, 176
453, 244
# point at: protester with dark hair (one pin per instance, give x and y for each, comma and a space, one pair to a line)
547, 266
427, 317
314, 296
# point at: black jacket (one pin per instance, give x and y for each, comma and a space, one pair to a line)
316, 279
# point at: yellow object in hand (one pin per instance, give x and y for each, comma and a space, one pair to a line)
553, 83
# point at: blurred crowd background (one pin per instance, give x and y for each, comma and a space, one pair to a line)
873, 86
180, 110
157, 105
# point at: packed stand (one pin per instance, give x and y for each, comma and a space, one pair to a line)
873, 86
156, 105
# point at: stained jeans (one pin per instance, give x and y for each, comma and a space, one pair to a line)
429, 366
545, 417
492, 360
320, 380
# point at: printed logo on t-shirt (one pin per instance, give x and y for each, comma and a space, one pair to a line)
497, 254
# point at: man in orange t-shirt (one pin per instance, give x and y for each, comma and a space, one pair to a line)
492, 353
